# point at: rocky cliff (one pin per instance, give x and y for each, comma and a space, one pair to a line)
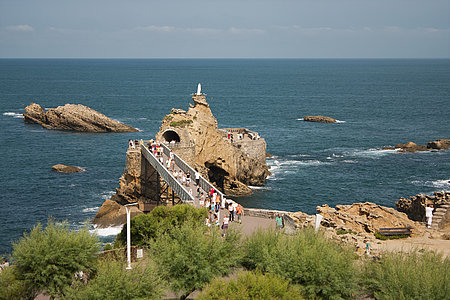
73, 117
221, 161
414, 207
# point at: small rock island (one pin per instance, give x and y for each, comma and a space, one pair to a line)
75, 117
320, 119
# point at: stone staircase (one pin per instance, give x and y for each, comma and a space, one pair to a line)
441, 216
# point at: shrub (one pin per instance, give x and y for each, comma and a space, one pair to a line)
411, 275
47, 259
192, 254
181, 123
322, 268
160, 220
113, 281
11, 287
390, 237
249, 285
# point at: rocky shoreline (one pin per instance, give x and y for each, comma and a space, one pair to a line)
439, 144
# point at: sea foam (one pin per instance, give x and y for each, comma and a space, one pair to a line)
13, 114
108, 231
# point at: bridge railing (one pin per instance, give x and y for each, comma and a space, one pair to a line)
204, 184
167, 176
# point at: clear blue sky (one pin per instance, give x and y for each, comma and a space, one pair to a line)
225, 29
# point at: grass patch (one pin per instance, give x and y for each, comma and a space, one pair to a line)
343, 231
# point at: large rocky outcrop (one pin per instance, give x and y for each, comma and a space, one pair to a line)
414, 207
440, 144
73, 117
320, 119
356, 224
226, 164
113, 214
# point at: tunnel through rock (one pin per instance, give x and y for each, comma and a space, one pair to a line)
171, 135
216, 175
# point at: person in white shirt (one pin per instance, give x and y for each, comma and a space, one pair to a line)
429, 214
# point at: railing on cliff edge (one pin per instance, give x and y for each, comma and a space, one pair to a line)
204, 184
176, 186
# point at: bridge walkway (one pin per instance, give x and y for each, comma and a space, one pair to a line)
187, 193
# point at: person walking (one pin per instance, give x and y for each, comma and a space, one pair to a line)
429, 214
279, 221
197, 178
231, 210
226, 220
239, 213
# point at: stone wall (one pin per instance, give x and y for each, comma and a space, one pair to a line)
256, 149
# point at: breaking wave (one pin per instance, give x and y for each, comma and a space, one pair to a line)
108, 231
13, 114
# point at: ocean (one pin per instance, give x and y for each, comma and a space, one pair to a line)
378, 103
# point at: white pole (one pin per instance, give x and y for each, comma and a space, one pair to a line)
128, 210
128, 239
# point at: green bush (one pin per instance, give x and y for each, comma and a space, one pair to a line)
113, 281
411, 275
390, 237
160, 220
10, 287
249, 285
322, 268
193, 254
47, 259
181, 123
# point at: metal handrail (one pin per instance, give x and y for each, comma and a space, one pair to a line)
167, 176
204, 184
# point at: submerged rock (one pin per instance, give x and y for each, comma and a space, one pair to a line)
73, 117
320, 119
66, 169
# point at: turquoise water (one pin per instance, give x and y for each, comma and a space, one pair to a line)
378, 103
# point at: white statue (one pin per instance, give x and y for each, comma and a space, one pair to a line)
199, 89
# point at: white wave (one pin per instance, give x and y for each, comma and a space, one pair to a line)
108, 231
300, 119
445, 183
259, 187
142, 118
350, 161
107, 195
338, 121
13, 114
91, 209
299, 155
373, 152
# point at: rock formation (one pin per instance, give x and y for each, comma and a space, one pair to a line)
356, 223
414, 207
73, 117
66, 169
229, 166
113, 214
440, 144
321, 119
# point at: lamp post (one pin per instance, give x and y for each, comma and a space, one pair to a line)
129, 233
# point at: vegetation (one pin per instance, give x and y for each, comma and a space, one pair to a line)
181, 123
47, 258
249, 285
10, 287
191, 255
112, 281
411, 275
321, 267
390, 237
160, 220
343, 231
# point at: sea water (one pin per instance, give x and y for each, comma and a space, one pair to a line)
377, 102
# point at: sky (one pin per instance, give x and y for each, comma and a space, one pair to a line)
224, 29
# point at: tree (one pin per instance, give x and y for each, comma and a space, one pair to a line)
192, 254
249, 285
113, 281
47, 259
321, 267
160, 220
